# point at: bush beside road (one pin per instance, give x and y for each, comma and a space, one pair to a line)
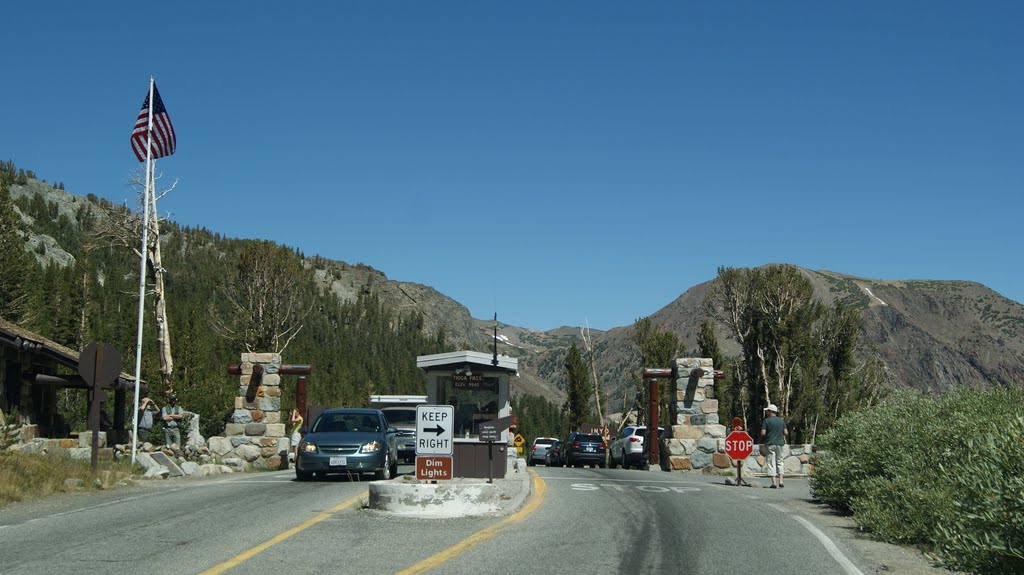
956, 492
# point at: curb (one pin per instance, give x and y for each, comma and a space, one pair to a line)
459, 497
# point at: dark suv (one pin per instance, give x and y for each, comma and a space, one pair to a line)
579, 449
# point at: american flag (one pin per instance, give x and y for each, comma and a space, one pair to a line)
163, 131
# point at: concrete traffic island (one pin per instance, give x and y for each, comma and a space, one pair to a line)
456, 498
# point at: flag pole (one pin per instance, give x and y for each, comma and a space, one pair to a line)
142, 268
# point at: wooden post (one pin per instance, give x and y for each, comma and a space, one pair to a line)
652, 423
300, 399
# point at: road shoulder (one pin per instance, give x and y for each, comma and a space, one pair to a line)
882, 557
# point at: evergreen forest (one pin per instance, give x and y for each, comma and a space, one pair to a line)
355, 348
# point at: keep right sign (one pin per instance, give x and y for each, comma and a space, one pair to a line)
434, 429
739, 445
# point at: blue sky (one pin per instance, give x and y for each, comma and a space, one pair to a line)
555, 162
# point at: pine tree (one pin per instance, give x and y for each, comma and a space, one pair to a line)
16, 266
657, 349
577, 403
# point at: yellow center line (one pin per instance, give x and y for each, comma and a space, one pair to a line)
479, 537
246, 555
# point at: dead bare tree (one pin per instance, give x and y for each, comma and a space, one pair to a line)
588, 344
267, 299
123, 227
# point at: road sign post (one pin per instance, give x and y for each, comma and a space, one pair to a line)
99, 364
739, 445
433, 467
434, 429
490, 431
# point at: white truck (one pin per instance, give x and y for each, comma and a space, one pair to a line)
400, 411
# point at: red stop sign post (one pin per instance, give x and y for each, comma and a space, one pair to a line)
739, 445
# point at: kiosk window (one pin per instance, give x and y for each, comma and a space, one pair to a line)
474, 397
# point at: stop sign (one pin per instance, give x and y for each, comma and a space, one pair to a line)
739, 445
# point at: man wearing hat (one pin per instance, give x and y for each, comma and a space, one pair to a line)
145, 415
774, 435
172, 414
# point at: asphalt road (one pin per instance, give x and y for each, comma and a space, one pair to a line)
590, 521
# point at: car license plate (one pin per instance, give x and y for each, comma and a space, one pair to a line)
338, 461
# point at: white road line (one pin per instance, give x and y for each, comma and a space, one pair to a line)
91, 507
834, 551
271, 478
778, 507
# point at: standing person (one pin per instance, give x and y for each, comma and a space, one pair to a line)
172, 414
145, 416
774, 434
296, 420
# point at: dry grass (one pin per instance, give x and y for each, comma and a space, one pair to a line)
28, 476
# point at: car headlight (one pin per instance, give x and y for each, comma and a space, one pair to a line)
307, 447
371, 447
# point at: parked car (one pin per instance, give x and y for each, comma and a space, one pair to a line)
348, 440
404, 420
400, 411
539, 450
579, 449
551, 458
627, 449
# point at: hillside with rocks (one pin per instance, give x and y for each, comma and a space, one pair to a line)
932, 335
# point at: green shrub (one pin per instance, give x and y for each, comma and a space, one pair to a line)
986, 533
901, 509
946, 473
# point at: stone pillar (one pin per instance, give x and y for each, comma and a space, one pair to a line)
696, 434
256, 432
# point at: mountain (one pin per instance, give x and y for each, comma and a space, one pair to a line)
932, 335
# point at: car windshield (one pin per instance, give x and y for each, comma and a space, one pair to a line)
341, 422
545, 441
589, 437
401, 416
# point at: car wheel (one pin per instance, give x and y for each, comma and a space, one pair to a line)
394, 468
303, 475
611, 460
529, 462
384, 473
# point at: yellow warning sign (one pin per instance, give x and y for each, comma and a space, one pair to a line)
519, 441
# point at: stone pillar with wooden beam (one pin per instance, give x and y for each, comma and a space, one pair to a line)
697, 440
255, 434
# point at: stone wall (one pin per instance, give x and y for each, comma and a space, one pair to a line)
697, 439
256, 433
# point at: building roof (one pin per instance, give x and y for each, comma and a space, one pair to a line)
14, 336
456, 359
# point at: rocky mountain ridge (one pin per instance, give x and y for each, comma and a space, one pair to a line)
932, 335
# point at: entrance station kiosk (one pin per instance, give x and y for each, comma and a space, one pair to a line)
476, 385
